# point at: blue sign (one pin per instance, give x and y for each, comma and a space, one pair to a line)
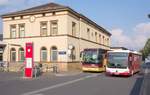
62, 52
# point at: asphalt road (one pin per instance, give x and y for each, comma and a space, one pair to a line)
74, 84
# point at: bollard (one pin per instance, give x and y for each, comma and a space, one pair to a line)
35, 71
55, 69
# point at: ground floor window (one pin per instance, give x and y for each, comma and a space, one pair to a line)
21, 55
54, 54
43, 54
13, 55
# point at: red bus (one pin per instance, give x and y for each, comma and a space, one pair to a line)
94, 60
123, 62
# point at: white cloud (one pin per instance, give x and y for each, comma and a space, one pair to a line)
4, 2
119, 39
143, 29
136, 41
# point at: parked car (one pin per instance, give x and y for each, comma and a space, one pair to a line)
143, 68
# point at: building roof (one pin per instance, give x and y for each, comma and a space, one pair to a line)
122, 48
52, 7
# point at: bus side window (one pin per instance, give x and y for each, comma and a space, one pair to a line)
130, 60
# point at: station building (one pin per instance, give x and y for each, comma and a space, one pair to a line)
58, 34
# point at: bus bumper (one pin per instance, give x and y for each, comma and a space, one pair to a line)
118, 74
93, 69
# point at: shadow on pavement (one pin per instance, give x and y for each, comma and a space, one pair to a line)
137, 86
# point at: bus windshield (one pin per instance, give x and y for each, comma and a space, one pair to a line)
91, 57
117, 60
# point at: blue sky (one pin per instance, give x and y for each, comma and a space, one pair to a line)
126, 19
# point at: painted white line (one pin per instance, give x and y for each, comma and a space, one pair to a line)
59, 85
146, 71
73, 74
39, 94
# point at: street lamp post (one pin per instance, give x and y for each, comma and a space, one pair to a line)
148, 15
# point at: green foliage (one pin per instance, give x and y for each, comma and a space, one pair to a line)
146, 50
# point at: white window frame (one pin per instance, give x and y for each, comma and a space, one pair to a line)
13, 31
52, 56
43, 30
21, 58
21, 30
43, 50
54, 27
12, 54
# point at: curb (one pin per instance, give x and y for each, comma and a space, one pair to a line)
68, 74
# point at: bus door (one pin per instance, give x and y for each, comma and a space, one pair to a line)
104, 60
131, 62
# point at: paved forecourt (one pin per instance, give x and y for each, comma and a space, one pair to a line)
71, 84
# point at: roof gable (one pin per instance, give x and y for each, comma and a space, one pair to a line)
42, 8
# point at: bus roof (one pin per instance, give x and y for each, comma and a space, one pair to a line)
93, 49
125, 51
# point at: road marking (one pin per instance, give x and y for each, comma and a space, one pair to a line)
61, 75
39, 94
146, 71
59, 85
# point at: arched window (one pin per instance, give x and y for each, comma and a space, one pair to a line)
54, 54
21, 55
43, 53
13, 55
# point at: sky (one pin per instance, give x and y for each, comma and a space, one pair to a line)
126, 20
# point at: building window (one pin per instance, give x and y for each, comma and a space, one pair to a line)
100, 38
43, 54
21, 17
103, 40
88, 33
92, 34
96, 36
54, 54
54, 13
21, 55
12, 31
107, 41
54, 27
73, 29
13, 55
43, 14
43, 26
12, 18
21, 30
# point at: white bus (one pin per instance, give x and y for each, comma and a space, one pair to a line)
123, 62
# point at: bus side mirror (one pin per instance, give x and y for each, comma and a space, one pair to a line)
81, 54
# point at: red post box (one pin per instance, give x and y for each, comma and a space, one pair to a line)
29, 60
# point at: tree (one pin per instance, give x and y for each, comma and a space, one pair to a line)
146, 50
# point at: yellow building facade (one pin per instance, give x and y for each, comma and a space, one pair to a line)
58, 34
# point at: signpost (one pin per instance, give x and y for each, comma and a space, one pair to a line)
29, 60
